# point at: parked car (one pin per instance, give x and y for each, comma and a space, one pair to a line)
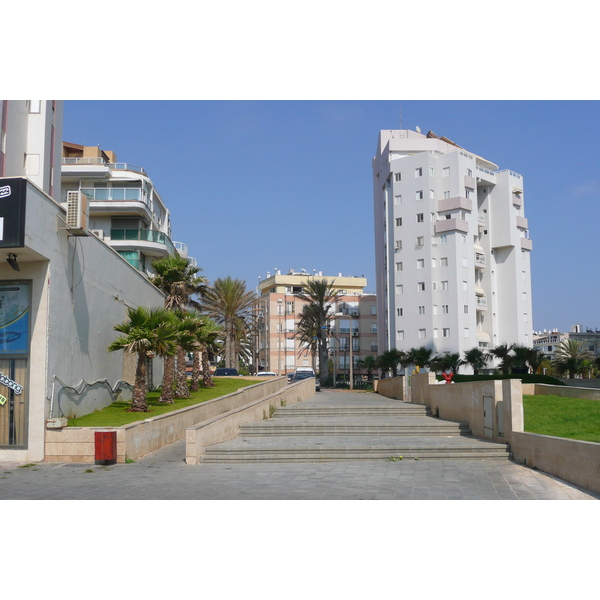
266, 374
223, 372
300, 375
289, 376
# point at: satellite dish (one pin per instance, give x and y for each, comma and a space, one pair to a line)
418, 129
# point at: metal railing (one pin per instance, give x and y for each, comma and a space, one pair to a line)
144, 235
97, 160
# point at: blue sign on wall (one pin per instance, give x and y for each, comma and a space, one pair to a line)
14, 318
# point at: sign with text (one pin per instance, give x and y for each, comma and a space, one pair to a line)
14, 318
13, 192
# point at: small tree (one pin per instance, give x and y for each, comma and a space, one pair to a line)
369, 363
145, 331
503, 352
477, 359
421, 357
390, 360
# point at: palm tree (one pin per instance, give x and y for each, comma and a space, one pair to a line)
187, 342
571, 356
307, 331
230, 305
420, 357
316, 316
145, 331
369, 363
477, 359
447, 362
207, 336
178, 279
535, 358
390, 360
503, 353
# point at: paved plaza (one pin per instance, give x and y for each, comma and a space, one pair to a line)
163, 475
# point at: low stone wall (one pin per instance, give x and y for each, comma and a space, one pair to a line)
390, 388
575, 461
76, 444
226, 426
567, 391
572, 460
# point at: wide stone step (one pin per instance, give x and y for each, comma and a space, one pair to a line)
317, 450
349, 412
374, 430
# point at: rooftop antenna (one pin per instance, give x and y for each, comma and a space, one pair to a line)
400, 117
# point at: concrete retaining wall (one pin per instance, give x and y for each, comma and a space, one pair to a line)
572, 460
390, 388
567, 391
76, 444
226, 426
575, 461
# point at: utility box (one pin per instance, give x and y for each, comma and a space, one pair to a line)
105, 446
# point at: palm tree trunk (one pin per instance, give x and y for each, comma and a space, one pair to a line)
166, 395
206, 377
195, 384
181, 389
138, 400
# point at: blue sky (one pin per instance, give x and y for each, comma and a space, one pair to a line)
258, 185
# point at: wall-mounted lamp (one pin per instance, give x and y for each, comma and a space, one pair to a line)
12, 261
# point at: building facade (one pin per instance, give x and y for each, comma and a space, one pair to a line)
452, 247
278, 311
123, 207
549, 341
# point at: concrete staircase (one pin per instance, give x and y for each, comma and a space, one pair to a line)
338, 426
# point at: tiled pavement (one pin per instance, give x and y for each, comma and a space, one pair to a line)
163, 475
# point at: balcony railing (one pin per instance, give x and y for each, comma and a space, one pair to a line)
144, 235
96, 160
115, 195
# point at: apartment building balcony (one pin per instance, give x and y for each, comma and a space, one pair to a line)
455, 203
446, 225
480, 261
526, 244
151, 243
522, 223
481, 303
95, 166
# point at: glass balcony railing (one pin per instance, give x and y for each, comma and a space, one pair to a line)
142, 235
97, 160
115, 195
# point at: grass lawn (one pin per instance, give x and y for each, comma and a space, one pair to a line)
116, 414
573, 418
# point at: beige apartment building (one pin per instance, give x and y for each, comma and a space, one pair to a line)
278, 311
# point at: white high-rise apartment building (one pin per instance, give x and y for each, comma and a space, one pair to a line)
452, 247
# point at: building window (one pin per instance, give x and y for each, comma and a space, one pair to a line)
469, 172
418, 172
399, 288
400, 334
465, 262
445, 309
444, 285
421, 310
468, 193
398, 266
419, 195
373, 309
420, 217
398, 244
421, 286
443, 239
444, 261
435, 332
420, 263
466, 332
446, 194
420, 241
446, 332
434, 285
422, 334
400, 312
398, 176
374, 347
431, 194
434, 309
399, 222
466, 309
446, 172
373, 327
465, 286
431, 171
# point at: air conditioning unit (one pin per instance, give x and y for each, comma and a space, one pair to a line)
355, 334
99, 233
355, 313
77, 218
